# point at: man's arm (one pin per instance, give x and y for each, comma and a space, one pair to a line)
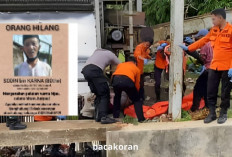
114, 60
147, 54
196, 55
137, 53
198, 44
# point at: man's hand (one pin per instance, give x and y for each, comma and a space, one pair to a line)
145, 61
185, 48
230, 73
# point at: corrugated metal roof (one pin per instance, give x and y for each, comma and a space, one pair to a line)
46, 5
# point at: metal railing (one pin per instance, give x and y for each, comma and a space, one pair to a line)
22, 119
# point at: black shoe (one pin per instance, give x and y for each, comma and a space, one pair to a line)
17, 126
211, 117
222, 118
9, 119
107, 120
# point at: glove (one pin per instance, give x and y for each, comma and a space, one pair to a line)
145, 61
230, 73
61, 117
185, 48
164, 45
203, 69
159, 48
188, 40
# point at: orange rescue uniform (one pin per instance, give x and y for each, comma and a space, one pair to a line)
160, 61
141, 51
130, 70
221, 42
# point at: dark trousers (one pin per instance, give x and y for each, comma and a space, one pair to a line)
99, 86
214, 78
141, 90
124, 83
158, 73
200, 91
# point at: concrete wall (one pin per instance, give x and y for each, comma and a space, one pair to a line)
191, 25
179, 139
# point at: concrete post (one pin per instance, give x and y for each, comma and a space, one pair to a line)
176, 59
131, 25
98, 27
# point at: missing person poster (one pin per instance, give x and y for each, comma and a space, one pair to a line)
38, 75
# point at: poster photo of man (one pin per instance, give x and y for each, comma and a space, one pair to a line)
32, 55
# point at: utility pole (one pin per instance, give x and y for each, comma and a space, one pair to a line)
98, 27
139, 5
131, 25
176, 59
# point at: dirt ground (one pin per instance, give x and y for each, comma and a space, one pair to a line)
150, 97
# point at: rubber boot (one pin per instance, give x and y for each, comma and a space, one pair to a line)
14, 123
223, 117
157, 92
211, 117
96, 113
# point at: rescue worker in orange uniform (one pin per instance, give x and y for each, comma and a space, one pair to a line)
160, 65
220, 37
141, 55
127, 78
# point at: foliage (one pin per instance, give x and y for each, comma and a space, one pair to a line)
158, 11
149, 68
128, 119
209, 5
185, 116
72, 117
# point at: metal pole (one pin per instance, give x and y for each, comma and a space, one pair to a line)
98, 27
131, 25
176, 59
